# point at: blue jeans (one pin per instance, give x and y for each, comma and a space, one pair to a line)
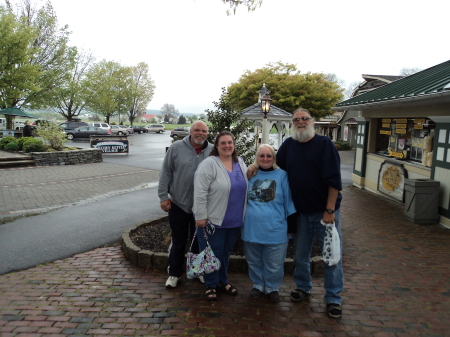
221, 242
308, 226
265, 264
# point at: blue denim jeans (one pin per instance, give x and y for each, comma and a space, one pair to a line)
308, 226
265, 264
221, 242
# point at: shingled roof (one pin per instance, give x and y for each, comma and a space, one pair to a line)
424, 84
255, 110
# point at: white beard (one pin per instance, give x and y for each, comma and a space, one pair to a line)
303, 136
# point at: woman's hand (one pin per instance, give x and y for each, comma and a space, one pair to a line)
200, 223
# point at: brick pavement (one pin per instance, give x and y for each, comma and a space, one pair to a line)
397, 284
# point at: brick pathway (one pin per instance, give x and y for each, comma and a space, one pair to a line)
397, 284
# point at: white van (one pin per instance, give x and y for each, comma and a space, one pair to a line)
2, 123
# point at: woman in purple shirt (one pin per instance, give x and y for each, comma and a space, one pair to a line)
220, 196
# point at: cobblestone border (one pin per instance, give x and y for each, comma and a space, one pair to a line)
158, 261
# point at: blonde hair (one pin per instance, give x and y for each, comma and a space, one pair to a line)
272, 150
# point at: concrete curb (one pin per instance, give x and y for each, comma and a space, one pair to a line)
158, 261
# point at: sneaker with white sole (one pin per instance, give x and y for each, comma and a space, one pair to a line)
201, 279
172, 282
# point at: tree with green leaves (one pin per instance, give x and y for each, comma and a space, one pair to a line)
69, 99
289, 89
17, 76
47, 51
140, 93
228, 117
102, 93
182, 120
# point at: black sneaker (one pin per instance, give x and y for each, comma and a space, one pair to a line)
298, 295
255, 293
274, 296
334, 310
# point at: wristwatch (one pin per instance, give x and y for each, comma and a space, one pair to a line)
330, 211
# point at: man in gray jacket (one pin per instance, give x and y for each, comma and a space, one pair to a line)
176, 193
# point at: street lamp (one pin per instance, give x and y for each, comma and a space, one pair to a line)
265, 107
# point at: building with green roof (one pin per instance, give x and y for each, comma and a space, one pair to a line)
403, 137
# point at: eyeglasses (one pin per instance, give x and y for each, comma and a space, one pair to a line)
298, 119
268, 156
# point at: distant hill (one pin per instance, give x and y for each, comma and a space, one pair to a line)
158, 112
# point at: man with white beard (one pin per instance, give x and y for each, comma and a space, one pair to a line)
313, 167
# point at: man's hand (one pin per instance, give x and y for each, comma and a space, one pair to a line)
327, 217
165, 205
200, 223
251, 171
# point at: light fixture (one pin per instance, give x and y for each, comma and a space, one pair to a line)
266, 101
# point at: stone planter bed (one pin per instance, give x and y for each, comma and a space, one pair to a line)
158, 261
80, 156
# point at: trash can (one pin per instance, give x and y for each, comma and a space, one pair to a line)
422, 201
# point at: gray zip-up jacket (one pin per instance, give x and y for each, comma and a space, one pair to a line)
176, 179
212, 188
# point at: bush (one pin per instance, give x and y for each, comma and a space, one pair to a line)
4, 141
53, 134
34, 145
13, 146
22, 140
342, 146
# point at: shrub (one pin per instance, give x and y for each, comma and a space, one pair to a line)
342, 146
33, 145
4, 141
22, 140
12, 146
53, 134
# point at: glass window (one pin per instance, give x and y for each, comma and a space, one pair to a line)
442, 136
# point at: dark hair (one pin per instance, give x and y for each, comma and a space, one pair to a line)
215, 152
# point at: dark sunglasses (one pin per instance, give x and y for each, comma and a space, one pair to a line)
298, 119
269, 156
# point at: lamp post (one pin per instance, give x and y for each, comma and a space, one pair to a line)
265, 107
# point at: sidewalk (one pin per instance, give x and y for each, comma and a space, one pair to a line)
397, 284
38, 189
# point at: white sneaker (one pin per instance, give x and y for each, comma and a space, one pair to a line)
201, 279
172, 282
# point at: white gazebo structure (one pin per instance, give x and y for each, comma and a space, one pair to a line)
276, 116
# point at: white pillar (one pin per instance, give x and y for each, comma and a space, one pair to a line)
265, 131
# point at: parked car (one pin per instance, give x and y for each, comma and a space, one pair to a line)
86, 132
129, 129
138, 128
116, 130
158, 128
72, 125
179, 132
100, 125
18, 125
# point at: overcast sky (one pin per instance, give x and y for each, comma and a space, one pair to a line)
193, 48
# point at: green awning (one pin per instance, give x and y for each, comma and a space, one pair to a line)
15, 112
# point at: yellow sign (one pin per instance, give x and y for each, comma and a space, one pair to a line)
401, 121
419, 120
386, 126
418, 126
399, 155
400, 126
391, 178
385, 132
401, 131
384, 120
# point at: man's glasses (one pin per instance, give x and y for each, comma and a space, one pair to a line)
298, 119
268, 156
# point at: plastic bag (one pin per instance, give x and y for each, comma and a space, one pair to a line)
331, 253
203, 263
